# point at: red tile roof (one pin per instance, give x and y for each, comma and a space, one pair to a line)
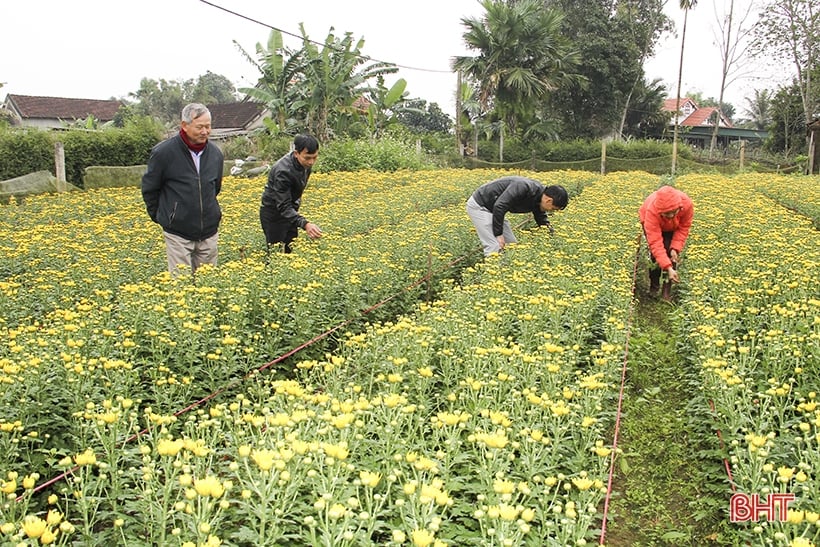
63, 108
698, 116
669, 104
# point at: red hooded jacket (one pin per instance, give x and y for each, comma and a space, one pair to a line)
663, 200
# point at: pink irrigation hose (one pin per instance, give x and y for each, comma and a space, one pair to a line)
726, 463
617, 428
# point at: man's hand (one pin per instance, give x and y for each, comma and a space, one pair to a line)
673, 254
501, 242
313, 231
673, 274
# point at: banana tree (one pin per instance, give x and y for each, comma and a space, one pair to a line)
384, 105
278, 87
334, 77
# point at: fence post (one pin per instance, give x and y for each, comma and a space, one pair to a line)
603, 157
742, 154
59, 166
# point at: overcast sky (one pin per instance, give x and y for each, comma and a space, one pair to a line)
99, 49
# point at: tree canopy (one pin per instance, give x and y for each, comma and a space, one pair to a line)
164, 99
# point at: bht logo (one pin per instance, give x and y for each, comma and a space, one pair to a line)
746, 507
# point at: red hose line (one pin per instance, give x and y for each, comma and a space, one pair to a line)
726, 463
618, 413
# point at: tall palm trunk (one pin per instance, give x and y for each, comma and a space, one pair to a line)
685, 5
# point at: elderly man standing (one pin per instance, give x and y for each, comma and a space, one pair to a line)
180, 186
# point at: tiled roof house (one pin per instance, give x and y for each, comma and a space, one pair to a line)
229, 119
691, 115
56, 112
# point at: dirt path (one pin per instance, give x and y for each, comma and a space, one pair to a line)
661, 488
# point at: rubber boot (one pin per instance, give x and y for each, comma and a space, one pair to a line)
666, 294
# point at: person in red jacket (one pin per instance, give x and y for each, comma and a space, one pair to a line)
666, 216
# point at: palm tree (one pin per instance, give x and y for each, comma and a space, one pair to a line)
685, 5
645, 117
522, 56
760, 109
470, 114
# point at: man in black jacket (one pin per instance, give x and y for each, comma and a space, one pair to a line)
180, 186
490, 203
287, 180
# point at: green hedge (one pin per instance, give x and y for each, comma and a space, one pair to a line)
27, 150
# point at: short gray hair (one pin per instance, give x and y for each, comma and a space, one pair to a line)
193, 111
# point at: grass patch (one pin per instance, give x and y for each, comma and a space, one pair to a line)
669, 486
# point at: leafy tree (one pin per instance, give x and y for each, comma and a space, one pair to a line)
384, 104
213, 88
788, 128
164, 99
280, 69
471, 113
613, 38
160, 99
649, 24
644, 117
789, 31
522, 56
759, 110
420, 117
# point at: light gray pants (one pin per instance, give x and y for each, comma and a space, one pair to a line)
483, 221
189, 253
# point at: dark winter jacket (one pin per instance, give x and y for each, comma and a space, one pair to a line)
511, 195
178, 198
287, 181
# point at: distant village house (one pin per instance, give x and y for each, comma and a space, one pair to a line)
57, 112
696, 124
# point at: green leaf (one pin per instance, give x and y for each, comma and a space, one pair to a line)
395, 92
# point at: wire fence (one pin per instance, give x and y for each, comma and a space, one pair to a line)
660, 165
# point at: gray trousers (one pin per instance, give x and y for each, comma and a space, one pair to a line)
483, 221
193, 254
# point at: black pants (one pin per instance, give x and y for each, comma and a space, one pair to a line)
275, 230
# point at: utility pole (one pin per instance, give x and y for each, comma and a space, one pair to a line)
459, 143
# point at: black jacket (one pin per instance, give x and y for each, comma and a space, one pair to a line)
511, 195
178, 198
287, 181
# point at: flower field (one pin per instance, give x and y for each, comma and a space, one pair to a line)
751, 319
474, 402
